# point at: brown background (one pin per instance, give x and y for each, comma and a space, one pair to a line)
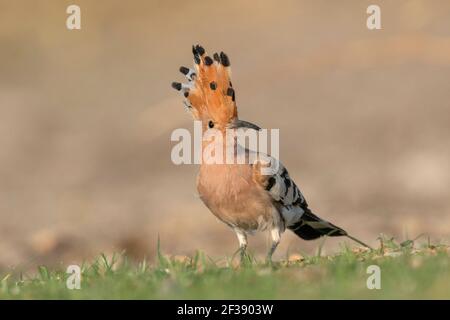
86, 117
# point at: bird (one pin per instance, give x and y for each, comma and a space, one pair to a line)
240, 195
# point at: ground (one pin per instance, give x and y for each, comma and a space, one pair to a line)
408, 271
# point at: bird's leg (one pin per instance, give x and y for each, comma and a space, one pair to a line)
275, 234
242, 237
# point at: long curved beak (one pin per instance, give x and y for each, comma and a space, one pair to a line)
236, 124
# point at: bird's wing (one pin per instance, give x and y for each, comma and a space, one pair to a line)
292, 205
284, 192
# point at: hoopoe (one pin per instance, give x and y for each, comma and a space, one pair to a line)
239, 194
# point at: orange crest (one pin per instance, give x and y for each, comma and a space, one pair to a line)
209, 93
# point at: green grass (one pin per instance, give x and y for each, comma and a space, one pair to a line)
407, 272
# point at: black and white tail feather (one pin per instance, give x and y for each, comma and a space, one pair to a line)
295, 212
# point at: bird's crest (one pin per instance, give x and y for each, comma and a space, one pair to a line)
209, 92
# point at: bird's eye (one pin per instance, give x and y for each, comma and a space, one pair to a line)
211, 124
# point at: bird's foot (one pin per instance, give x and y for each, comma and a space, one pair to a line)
269, 261
246, 259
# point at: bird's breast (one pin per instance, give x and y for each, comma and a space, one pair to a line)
232, 195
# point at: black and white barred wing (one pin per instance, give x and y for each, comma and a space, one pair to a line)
286, 196
294, 209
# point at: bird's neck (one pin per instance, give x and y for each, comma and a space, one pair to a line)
223, 151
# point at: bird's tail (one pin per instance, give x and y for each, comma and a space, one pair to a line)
311, 227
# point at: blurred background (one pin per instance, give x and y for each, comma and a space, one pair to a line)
86, 118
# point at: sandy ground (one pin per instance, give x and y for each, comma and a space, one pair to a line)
86, 118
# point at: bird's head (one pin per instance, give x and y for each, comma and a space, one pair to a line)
209, 93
